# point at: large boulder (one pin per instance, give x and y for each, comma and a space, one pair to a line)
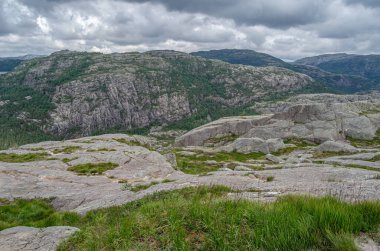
334, 146
225, 126
30, 238
249, 145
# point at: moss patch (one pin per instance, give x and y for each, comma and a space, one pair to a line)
92, 169
67, 149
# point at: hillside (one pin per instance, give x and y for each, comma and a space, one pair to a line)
336, 81
366, 66
70, 94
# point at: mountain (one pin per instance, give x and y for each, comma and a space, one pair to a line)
366, 66
70, 94
245, 57
9, 63
337, 81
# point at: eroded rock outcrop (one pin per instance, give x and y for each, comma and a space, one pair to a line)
317, 122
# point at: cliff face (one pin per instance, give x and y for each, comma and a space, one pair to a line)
91, 92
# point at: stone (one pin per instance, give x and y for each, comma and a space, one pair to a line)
249, 145
273, 158
29, 238
186, 153
224, 169
211, 162
242, 168
334, 146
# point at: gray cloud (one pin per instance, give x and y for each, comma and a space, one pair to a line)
370, 3
288, 29
272, 13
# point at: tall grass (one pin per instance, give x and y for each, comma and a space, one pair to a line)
205, 219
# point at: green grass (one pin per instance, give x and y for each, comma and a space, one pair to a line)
67, 160
195, 164
132, 143
270, 178
300, 144
143, 187
33, 213
92, 169
222, 139
363, 167
102, 150
375, 158
67, 149
365, 142
329, 154
20, 158
204, 218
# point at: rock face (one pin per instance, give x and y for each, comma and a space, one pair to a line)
314, 121
29, 238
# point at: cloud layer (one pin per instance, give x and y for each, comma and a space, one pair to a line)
289, 29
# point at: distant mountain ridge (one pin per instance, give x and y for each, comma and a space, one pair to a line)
9, 63
366, 66
337, 79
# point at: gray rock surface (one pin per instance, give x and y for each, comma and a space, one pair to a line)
29, 238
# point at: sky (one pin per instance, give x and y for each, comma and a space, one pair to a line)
288, 29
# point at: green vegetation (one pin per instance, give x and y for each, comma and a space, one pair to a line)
92, 169
195, 164
102, 150
67, 160
222, 139
329, 154
375, 158
33, 213
300, 144
204, 218
15, 131
132, 143
143, 186
19, 158
363, 167
67, 149
270, 178
366, 142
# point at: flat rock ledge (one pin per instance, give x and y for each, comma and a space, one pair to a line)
30, 238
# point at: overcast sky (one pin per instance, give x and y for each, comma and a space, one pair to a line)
288, 29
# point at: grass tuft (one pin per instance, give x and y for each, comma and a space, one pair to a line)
92, 169
67, 149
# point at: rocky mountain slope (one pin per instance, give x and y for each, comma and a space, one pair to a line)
75, 94
336, 81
